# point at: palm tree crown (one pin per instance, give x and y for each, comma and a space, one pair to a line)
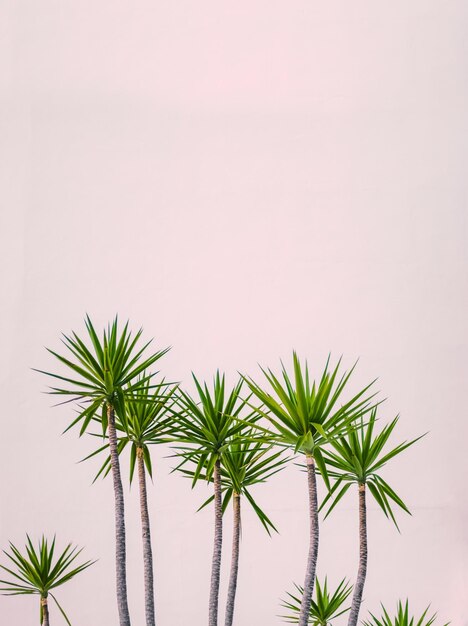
246, 462
36, 571
402, 618
305, 415
324, 607
105, 373
148, 421
357, 457
207, 425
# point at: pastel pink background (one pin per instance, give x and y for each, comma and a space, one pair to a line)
241, 179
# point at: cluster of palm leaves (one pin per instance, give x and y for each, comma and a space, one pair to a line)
36, 572
402, 617
231, 439
326, 607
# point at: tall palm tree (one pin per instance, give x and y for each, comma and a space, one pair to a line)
148, 421
103, 376
206, 425
306, 417
402, 618
36, 572
357, 458
246, 462
325, 607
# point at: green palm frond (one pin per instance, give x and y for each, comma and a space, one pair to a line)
246, 462
103, 372
402, 617
306, 414
325, 606
38, 570
357, 457
207, 424
149, 420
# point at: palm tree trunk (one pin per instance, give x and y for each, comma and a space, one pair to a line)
146, 536
218, 541
362, 570
231, 598
313, 544
45, 611
120, 550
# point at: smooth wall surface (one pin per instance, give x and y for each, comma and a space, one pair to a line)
241, 179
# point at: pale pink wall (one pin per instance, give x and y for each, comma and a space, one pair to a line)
240, 178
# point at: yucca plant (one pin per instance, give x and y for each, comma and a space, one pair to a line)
147, 421
402, 618
206, 425
35, 571
357, 458
306, 416
104, 374
245, 463
325, 607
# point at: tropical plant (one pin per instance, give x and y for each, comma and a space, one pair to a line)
148, 421
357, 458
325, 607
305, 417
103, 377
206, 426
37, 572
246, 462
402, 618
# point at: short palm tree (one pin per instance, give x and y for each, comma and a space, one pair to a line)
306, 416
148, 421
205, 427
357, 458
103, 375
402, 618
246, 462
37, 572
325, 607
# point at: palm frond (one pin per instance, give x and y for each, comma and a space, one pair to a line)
305, 414
104, 372
356, 457
325, 605
38, 570
402, 617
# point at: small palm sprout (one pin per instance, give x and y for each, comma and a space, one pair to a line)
402, 618
37, 572
325, 607
246, 462
357, 458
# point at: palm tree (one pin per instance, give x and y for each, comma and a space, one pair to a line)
357, 458
305, 417
103, 376
147, 422
246, 462
206, 425
36, 572
326, 606
402, 618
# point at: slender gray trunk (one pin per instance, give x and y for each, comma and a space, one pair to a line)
45, 611
120, 550
218, 541
313, 544
231, 598
146, 536
362, 570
